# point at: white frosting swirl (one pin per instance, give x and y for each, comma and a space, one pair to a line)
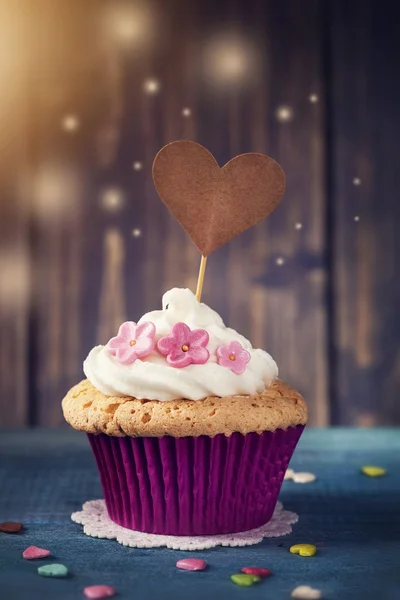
153, 378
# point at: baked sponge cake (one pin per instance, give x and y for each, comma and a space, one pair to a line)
190, 426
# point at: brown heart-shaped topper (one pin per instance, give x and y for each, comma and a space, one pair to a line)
214, 205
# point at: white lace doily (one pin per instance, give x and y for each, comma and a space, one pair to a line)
97, 523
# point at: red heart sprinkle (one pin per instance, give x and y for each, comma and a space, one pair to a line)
35, 552
10, 527
259, 571
99, 591
191, 564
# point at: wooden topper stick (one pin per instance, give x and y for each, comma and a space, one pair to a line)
200, 279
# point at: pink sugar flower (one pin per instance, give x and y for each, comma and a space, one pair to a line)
233, 356
133, 341
183, 347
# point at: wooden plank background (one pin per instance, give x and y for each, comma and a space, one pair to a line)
365, 127
313, 286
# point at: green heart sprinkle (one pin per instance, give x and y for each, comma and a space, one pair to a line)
373, 471
303, 549
53, 570
245, 580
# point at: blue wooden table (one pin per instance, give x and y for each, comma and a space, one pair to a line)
46, 475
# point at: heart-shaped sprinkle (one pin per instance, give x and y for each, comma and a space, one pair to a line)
10, 527
54, 570
258, 571
303, 549
305, 592
245, 580
373, 471
99, 591
303, 477
191, 564
288, 474
33, 552
214, 205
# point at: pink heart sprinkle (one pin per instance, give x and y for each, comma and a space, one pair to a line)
191, 564
35, 552
99, 591
259, 571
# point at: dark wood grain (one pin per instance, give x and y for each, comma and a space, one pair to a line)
365, 118
15, 280
321, 298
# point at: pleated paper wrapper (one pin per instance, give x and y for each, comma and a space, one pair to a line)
193, 485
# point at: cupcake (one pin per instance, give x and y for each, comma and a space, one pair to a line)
191, 429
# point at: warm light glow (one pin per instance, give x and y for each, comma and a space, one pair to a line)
356, 181
151, 86
112, 199
70, 123
356, 218
136, 233
366, 419
56, 191
298, 226
231, 59
284, 114
13, 47
280, 261
186, 112
129, 25
137, 166
313, 98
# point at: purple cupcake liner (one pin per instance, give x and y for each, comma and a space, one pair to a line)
193, 485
